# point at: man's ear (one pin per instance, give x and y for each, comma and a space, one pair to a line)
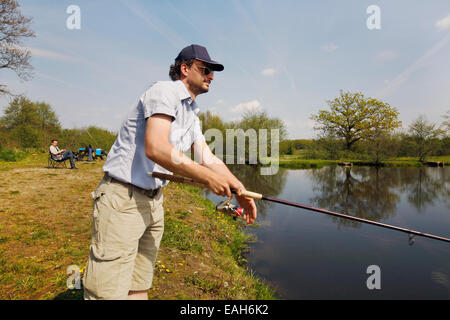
184, 69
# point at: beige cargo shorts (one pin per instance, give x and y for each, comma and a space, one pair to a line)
126, 232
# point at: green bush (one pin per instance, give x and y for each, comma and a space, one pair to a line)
10, 155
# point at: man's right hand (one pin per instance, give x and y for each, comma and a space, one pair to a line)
218, 185
222, 187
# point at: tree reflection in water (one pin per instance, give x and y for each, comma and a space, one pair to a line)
426, 185
373, 193
366, 192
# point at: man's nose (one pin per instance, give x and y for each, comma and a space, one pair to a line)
210, 76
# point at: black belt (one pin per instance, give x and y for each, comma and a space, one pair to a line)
148, 192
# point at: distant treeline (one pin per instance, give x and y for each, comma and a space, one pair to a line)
392, 146
28, 125
253, 120
420, 140
31, 125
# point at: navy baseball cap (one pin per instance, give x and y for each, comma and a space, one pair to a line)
197, 52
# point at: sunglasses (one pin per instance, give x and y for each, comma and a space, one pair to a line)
206, 70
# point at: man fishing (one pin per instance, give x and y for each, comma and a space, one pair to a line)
128, 217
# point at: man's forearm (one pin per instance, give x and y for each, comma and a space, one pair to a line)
203, 154
219, 167
175, 161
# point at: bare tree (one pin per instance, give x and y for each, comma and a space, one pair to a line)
13, 28
423, 132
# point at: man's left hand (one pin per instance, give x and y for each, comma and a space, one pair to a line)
248, 204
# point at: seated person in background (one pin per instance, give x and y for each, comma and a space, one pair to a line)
91, 151
60, 155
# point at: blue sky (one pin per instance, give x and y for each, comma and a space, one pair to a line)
285, 57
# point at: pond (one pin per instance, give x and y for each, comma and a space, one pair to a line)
309, 255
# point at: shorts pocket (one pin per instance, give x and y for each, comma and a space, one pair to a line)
105, 253
96, 194
103, 272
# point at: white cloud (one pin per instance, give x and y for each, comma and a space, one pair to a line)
253, 105
330, 47
443, 24
269, 72
386, 55
52, 55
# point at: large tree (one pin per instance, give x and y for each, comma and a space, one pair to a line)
353, 117
21, 121
30, 124
13, 28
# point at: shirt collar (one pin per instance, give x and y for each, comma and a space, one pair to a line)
183, 94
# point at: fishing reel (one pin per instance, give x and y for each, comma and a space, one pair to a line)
228, 208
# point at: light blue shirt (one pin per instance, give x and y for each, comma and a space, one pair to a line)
126, 161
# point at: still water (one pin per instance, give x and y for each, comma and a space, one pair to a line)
308, 255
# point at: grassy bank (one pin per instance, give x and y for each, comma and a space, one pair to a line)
45, 226
298, 162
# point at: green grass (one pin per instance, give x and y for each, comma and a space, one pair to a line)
180, 235
9, 155
38, 242
306, 164
41, 234
298, 162
204, 284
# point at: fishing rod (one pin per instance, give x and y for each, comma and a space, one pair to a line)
227, 206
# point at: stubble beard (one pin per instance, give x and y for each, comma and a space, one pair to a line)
199, 89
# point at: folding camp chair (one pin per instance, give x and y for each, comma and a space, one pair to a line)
53, 163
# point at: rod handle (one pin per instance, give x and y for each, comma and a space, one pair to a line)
250, 194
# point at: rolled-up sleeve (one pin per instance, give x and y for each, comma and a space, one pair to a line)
160, 99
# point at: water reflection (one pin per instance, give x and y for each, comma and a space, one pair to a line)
367, 192
373, 193
424, 187
361, 192
307, 258
269, 185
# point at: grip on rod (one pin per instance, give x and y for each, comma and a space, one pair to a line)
250, 194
